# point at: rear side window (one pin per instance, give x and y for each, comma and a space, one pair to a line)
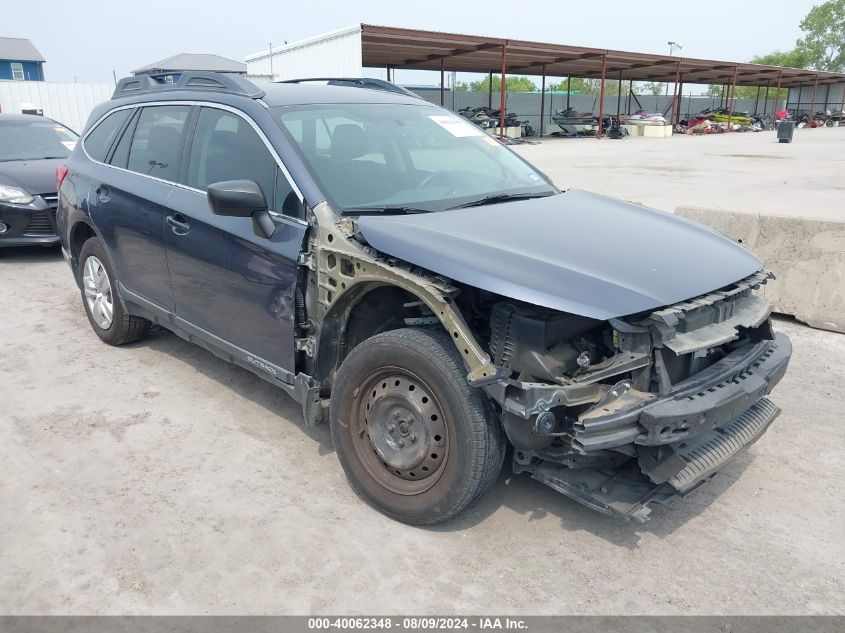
100, 139
155, 146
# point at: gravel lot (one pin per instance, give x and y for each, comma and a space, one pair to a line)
156, 478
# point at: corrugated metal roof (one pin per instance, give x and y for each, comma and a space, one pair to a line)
413, 48
19, 49
194, 61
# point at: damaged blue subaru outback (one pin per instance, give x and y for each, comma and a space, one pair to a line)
423, 290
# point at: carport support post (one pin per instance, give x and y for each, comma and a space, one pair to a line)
502, 92
813, 106
757, 100
675, 92
842, 103
766, 98
442, 78
680, 100
601, 95
542, 99
630, 92
619, 100
490, 90
777, 93
568, 90
733, 100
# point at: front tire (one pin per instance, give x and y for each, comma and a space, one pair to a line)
99, 297
415, 440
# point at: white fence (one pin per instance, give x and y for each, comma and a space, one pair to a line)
68, 103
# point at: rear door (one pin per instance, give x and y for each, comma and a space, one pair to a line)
128, 202
228, 281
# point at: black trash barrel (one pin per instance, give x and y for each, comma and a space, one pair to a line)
785, 131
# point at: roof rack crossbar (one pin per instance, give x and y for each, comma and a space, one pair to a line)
160, 81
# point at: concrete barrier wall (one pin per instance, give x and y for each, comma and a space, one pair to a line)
806, 255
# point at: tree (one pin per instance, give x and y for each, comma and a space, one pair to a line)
575, 84
714, 91
796, 58
745, 92
651, 87
512, 84
824, 36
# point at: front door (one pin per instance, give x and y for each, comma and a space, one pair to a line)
227, 280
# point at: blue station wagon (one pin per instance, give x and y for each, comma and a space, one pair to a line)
421, 288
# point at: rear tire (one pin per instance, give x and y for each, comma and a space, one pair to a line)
100, 299
415, 440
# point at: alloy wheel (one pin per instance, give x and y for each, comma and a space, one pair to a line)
98, 292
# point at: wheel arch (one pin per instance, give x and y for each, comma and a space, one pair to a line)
80, 233
350, 320
344, 271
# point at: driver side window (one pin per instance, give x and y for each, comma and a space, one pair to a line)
226, 147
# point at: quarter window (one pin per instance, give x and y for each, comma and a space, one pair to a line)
120, 155
157, 140
100, 139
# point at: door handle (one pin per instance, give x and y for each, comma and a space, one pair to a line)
178, 224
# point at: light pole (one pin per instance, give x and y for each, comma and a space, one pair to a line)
673, 46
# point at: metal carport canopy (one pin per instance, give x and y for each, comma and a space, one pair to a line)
384, 46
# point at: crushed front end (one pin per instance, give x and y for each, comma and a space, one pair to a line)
625, 413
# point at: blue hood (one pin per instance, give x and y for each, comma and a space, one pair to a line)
577, 252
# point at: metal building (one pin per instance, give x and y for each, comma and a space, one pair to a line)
334, 54
193, 61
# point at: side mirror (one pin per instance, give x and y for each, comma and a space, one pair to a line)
241, 199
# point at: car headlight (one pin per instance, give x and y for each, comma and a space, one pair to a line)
14, 195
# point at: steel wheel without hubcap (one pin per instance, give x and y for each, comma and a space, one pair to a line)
400, 434
98, 292
414, 439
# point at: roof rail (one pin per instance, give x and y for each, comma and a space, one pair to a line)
356, 82
162, 81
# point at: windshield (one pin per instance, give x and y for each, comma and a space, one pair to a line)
405, 157
24, 139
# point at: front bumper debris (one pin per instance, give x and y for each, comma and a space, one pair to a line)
695, 406
628, 493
